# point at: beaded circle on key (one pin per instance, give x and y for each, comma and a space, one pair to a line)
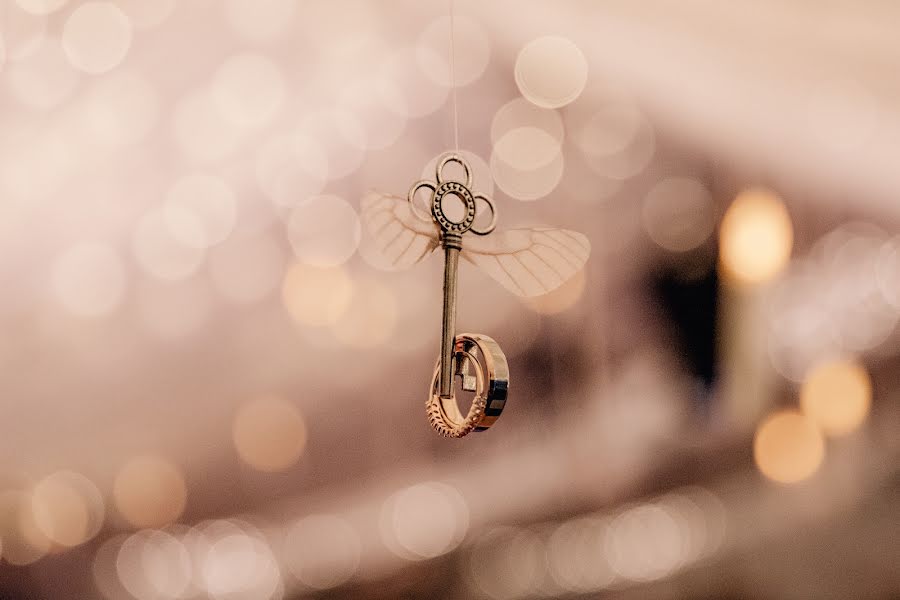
443, 188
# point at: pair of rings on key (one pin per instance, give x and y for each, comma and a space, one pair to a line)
490, 384
441, 188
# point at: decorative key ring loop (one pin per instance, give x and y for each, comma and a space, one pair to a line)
491, 387
449, 158
493, 224
411, 198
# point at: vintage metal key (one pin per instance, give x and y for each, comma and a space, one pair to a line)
529, 262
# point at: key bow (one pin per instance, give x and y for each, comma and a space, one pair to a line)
441, 189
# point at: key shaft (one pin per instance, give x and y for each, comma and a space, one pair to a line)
452, 244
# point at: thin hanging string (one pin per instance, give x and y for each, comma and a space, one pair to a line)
453, 79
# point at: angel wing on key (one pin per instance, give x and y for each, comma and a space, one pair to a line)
528, 262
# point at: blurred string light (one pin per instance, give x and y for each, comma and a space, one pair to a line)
120, 109
551, 71
679, 214
472, 51
590, 553
68, 508
88, 279
788, 447
615, 138
314, 296
322, 551
160, 253
200, 210
150, 491
43, 79
269, 434
96, 37
755, 237
837, 395
324, 231
409, 527
245, 270
248, 90
257, 21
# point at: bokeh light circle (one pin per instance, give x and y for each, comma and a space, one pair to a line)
68, 508
788, 447
89, 279
269, 434
291, 168
150, 491
247, 269
527, 185
121, 109
678, 214
837, 395
371, 317
200, 210
201, 131
43, 79
248, 89
471, 51
96, 37
259, 21
145, 14
323, 551
409, 527
551, 71
342, 137
314, 296
23, 541
755, 237
527, 148
616, 140
324, 231
519, 112
40, 7
152, 565
160, 253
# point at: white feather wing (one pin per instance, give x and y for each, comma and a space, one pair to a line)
402, 238
529, 262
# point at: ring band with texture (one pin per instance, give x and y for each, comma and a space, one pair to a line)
491, 387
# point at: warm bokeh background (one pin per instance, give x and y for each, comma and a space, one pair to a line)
212, 388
